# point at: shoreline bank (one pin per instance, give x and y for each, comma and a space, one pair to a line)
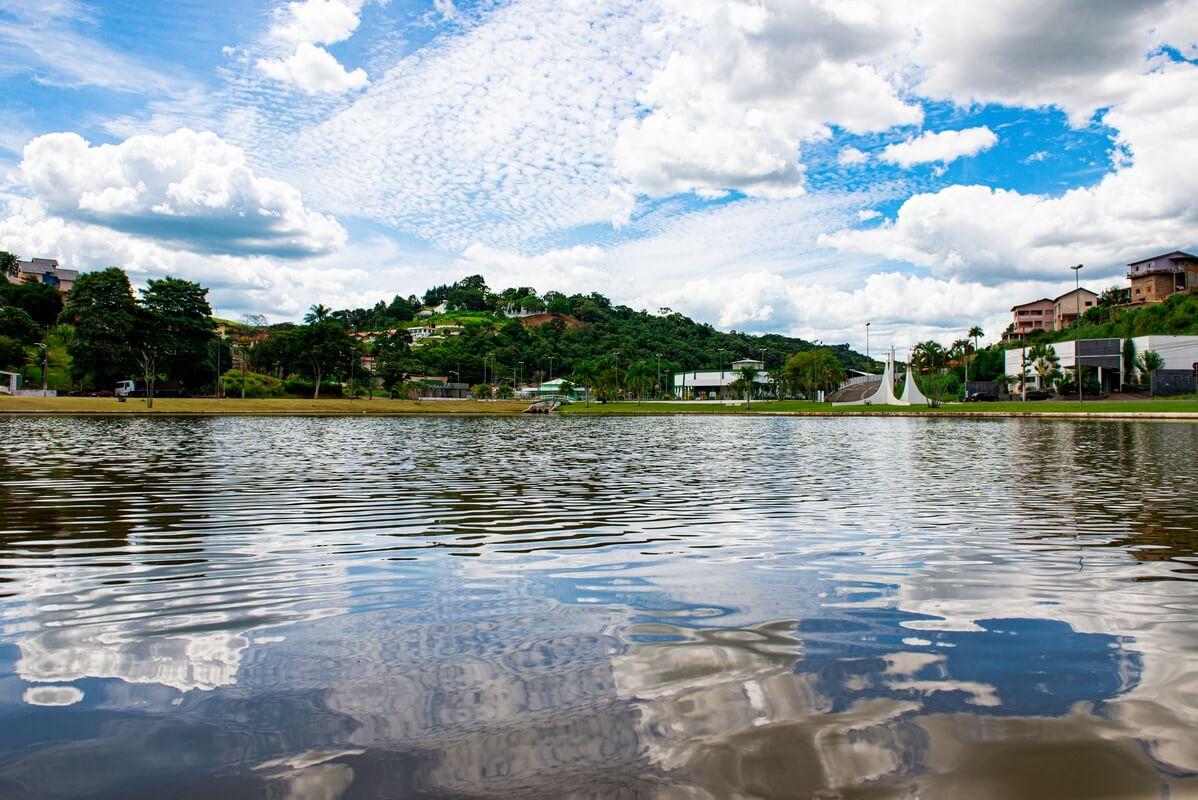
1180, 410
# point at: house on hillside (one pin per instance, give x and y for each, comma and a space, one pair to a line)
47, 271
428, 311
421, 334
1072, 304
1038, 315
1154, 279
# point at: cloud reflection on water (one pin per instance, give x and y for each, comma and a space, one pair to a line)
675, 608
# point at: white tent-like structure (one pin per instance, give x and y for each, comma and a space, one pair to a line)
884, 394
911, 393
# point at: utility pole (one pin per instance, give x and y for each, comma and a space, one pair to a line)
1077, 347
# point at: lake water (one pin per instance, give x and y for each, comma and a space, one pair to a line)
671, 607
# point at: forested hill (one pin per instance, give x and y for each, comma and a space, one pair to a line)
584, 328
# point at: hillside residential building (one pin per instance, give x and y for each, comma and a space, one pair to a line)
1068, 306
47, 271
428, 311
1038, 315
713, 384
1156, 278
422, 333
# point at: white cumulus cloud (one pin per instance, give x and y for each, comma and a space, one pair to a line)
317, 21
1145, 205
941, 146
747, 84
850, 156
314, 70
186, 187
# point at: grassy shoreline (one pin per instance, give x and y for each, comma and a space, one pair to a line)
230, 406
1109, 409
1186, 409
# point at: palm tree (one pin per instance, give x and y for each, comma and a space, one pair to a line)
8, 264
1045, 363
976, 333
317, 313
931, 360
586, 374
779, 378
1149, 362
748, 376
636, 376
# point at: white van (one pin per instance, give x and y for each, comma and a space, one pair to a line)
124, 389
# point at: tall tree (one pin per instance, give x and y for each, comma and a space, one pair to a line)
317, 313
1149, 362
586, 374
813, 370
930, 359
639, 373
183, 330
326, 349
16, 324
8, 264
106, 320
42, 302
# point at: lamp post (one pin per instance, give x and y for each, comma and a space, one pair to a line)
867, 340
721, 351
1077, 312
45, 348
659, 386
616, 355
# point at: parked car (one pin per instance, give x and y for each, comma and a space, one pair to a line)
1037, 395
981, 397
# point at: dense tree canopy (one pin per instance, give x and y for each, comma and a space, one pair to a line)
107, 321
178, 324
586, 328
41, 302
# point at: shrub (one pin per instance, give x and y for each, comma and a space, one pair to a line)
298, 387
256, 384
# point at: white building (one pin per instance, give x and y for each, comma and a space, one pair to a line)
713, 384
1106, 357
421, 333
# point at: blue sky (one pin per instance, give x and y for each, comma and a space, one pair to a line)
800, 167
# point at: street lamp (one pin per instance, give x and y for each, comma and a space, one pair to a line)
721, 351
659, 386
1077, 311
45, 348
615, 354
867, 340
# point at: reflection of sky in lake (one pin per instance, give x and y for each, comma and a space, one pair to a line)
668, 607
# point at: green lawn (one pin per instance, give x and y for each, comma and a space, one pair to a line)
1163, 406
379, 406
